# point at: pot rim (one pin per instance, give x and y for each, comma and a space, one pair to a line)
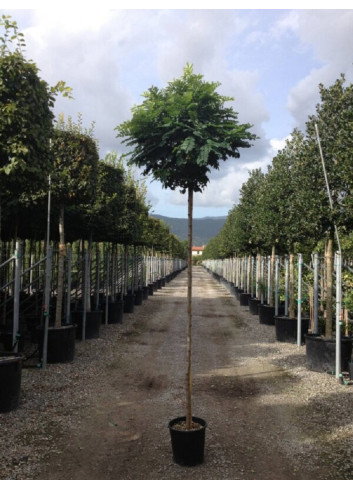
10, 357
319, 337
174, 421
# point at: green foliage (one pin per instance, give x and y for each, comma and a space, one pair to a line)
334, 118
181, 132
75, 166
26, 126
105, 213
288, 206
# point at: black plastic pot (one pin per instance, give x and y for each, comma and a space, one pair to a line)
145, 292
61, 343
188, 445
253, 304
244, 298
150, 289
115, 312
267, 314
321, 353
10, 381
350, 369
138, 297
93, 323
129, 302
287, 329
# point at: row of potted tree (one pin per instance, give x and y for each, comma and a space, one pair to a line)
303, 203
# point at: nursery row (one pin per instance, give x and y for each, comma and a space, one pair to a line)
303, 199
98, 289
295, 303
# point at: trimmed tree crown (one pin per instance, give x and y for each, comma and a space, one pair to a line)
181, 132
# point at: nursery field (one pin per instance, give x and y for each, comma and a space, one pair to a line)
105, 415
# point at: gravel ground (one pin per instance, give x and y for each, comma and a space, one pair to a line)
268, 416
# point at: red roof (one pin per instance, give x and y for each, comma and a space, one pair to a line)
198, 248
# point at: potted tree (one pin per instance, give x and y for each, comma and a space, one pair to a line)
107, 219
179, 133
285, 189
73, 181
267, 232
26, 126
329, 139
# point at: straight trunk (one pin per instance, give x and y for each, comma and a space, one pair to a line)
258, 277
291, 307
272, 277
61, 263
189, 313
88, 284
329, 289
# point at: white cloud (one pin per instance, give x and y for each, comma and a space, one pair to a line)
330, 34
261, 57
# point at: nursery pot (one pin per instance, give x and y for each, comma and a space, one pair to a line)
145, 292
244, 298
115, 312
150, 289
350, 369
321, 353
267, 314
138, 297
129, 302
10, 381
287, 329
253, 304
188, 445
61, 343
93, 323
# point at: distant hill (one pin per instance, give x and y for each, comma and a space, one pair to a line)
204, 228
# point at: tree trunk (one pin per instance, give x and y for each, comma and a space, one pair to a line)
258, 277
61, 262
272, 277
291, 307
329, 289
189, 312
88, 284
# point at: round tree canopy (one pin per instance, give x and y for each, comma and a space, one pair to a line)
182, 132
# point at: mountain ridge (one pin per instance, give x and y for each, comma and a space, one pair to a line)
204, 228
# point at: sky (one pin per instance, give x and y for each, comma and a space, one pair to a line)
270, 60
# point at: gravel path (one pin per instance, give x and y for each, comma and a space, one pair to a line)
105, 416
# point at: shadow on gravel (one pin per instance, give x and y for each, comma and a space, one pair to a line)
245, 385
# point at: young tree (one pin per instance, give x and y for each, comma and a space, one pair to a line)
73, 182
334, 119
179, 134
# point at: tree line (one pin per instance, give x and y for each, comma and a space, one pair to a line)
90, 198
304, 202
288, 207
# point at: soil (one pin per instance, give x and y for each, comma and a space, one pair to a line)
120, 432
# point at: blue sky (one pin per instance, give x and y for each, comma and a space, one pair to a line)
270, 60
